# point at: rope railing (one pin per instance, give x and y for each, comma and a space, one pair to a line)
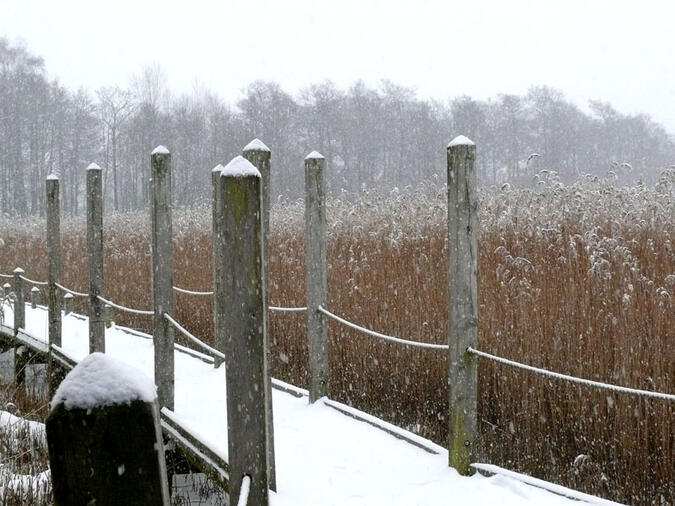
124, 308
194, 339
287, 309
71, 292
7, 276
33, 282
190, 292
572, 379
244, 491
380, 335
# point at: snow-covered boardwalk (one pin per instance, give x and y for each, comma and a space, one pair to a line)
323, 457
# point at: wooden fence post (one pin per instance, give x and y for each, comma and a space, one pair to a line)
244, 310
19, 303
315, 264
7, 288
104, 437
217, 261
260, 156
68, 303
95, 256
109, 316
54, 267
34, 297
162, 274
463, 314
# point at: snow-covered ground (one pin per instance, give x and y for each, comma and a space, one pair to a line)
323, 457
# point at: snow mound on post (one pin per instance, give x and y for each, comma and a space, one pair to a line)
256, 145
93, 166
240, 167
52, 177
100, 380
460, 140
314, 155
217, 168
160, 150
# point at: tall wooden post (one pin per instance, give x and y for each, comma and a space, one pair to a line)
19, 302
34, 297
463, 315
162, 274
260, 156
95, 256
217, 261
244, 309
315, 264
54, 264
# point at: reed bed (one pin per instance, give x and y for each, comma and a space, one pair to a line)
578, 279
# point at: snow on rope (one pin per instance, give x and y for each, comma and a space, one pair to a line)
244, 491
192, 338
8, 276
33, 282
382, 336
287, 309
71, 292
573, 379
124, 308
190, 292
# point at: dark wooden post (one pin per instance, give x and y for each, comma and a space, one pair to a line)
217, 261
260, 156
7, 288
95, 256
19, 303
104, 437
162, 274
34, 297
315, 265
463, 315
54, 266
244, 310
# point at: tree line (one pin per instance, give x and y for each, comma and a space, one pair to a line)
382, 136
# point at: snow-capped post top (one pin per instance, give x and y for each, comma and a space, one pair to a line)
160, 150
256, 145
100, 380
93, 166
240, 167
461, 140
217, 168
52, 177
314, 155
19, 271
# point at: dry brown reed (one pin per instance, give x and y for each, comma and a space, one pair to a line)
578, 279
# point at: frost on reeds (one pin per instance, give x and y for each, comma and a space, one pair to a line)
576, 278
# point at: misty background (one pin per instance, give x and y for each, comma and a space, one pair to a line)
382, 136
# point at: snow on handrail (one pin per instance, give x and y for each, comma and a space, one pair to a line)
33, 282
124, 308
190, 292
287, 309
382, 336
72, 292
194, 339
244, 491
573, 379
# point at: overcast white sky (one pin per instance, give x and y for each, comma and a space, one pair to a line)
618, 51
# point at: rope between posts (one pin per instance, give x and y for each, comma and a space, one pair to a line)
244, 491
124, 308
190, 292
382, 336
194, 339
33, 282
72, 292
573, 379
287, 309
8, 276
